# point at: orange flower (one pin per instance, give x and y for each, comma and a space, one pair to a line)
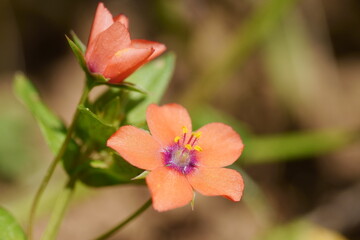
110, 51
180, 161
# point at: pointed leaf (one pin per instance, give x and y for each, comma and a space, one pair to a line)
78, 54
110, 106
109, 170
91, 128
9, 228
78, 42
50, 125
129, 86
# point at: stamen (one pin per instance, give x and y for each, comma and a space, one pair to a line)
177, 138
185, 130
188, 147
190, 139
197, 134
194, 142
198, 148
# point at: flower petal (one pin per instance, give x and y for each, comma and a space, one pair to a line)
105, 45
169, 189
102, 20
166, 122
125, 62
217, 182
137, 147
159, 47
221, 145
123, 19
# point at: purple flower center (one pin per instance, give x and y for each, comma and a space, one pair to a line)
181, 156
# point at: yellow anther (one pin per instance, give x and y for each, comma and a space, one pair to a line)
177, 139
188, 147
184, 129
197, 134
198, 148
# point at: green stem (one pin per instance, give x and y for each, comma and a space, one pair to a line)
126, 221
64, 199
54, 163
59, 210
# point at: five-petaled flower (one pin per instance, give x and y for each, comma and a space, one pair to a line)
179, 160
110, 51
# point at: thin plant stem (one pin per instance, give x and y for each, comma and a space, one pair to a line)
126, 221
59, 210
54, 163
64, 200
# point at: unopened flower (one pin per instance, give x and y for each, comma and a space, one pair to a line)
110, 51
180, 161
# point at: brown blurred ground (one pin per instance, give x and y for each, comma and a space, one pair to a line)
323, 188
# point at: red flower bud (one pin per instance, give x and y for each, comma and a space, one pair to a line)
111, 52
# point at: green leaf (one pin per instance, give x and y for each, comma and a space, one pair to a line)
16, 146
154, 78
91, 128
109, 170
50, 125
78, 54
296, 145
128, 86
78, 42
9, 228
110, 106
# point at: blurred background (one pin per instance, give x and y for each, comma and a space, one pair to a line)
284, 73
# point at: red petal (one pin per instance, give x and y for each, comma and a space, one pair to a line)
102, 20
159, 47
123, 19
217, 182
105, 45
169, 189
166, 122
221, 145
125, 62
137, 147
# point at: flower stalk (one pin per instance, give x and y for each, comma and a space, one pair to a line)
59, 210
45, 181
126, 221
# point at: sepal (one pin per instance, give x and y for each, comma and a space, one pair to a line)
141, 175
79, 54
